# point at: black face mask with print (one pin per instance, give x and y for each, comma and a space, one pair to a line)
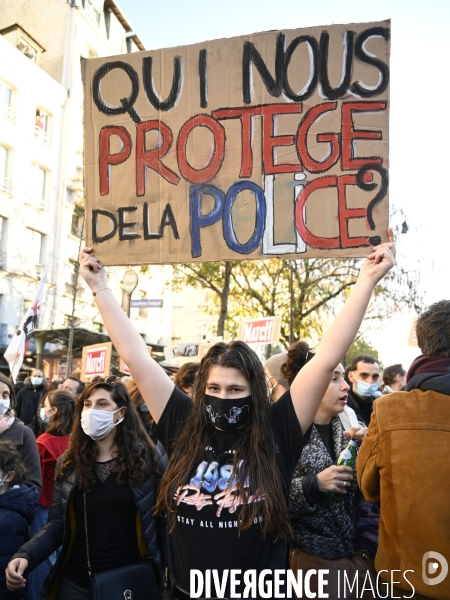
228, 414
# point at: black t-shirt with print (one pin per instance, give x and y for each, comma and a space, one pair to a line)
206, 533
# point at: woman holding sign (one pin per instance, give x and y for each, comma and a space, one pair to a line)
232, 453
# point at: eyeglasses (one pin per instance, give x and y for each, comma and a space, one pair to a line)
111, 379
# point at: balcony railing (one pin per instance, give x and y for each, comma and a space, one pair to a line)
8, 114
38, 201
5, 185
43, 137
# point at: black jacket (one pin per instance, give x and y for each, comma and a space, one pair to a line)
27, 401
363, 407
17, 510
57, 530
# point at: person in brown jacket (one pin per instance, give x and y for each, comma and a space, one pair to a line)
404, 464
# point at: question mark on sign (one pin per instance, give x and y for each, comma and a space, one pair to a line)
367, 187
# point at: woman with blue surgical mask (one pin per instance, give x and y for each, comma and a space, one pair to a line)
111, 462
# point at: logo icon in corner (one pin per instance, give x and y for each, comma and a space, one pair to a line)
434, 568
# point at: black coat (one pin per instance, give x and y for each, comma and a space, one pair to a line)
363, 407
27, 401
17, 510
57, 530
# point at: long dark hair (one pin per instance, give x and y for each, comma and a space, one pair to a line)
64, 402
136, 453
256, 450
10, 461
137, 399
12, 395
298, 355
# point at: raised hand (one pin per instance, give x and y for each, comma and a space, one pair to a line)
380, 261
92, 270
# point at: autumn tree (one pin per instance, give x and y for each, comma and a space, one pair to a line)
319, 287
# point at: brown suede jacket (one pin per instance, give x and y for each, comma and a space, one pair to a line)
404, 464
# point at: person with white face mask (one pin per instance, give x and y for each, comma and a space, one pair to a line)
14, 431
364, 374
110, 462
30, 396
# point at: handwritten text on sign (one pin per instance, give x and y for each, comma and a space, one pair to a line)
271, 144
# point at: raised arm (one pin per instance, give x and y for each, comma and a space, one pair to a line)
153, 383
308, 388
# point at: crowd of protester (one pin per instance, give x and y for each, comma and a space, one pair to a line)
106, 478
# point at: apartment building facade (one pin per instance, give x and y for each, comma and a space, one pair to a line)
41, 174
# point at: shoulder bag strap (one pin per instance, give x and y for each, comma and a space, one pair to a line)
87, 542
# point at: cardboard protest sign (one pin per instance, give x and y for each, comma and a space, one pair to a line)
264, 330
96, 360
412, 338
272, 144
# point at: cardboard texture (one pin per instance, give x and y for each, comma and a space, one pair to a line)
271, 144
412, 339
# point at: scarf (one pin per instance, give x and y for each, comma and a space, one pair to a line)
5, 422
429, 373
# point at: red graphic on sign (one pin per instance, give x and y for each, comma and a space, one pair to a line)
95, 362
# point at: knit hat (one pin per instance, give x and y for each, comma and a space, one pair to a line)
274, 364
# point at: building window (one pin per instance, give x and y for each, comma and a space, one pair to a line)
107, 16
42, 127
39, 190
5, 160
177, 329
26, 49
72, 284
3, 327
6, 111
35, 251
202, 331
3, 236
77, 225
92, 10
